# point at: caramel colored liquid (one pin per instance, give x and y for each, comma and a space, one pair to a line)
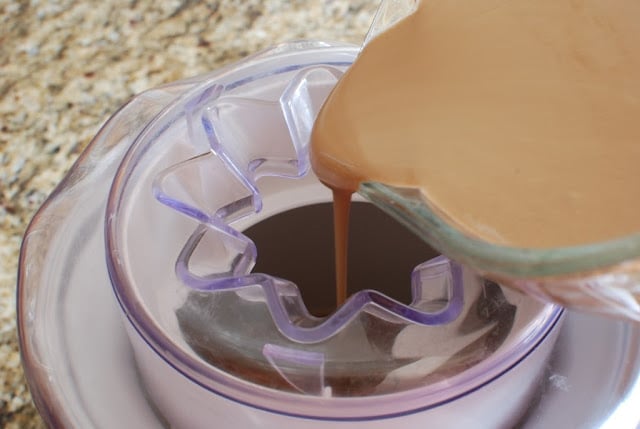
518, 120
341, 210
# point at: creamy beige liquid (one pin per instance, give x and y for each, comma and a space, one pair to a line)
341, 210
519, 120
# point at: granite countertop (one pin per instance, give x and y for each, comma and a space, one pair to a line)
66, 66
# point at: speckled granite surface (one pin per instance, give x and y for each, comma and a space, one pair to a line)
65, 66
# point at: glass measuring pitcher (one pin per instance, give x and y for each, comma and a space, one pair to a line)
601, 277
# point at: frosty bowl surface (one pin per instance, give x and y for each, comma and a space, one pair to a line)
168, 191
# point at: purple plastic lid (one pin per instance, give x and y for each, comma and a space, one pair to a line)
231, 152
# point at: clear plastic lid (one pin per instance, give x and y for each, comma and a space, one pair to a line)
232, 152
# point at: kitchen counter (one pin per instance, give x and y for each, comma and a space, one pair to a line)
66, 66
